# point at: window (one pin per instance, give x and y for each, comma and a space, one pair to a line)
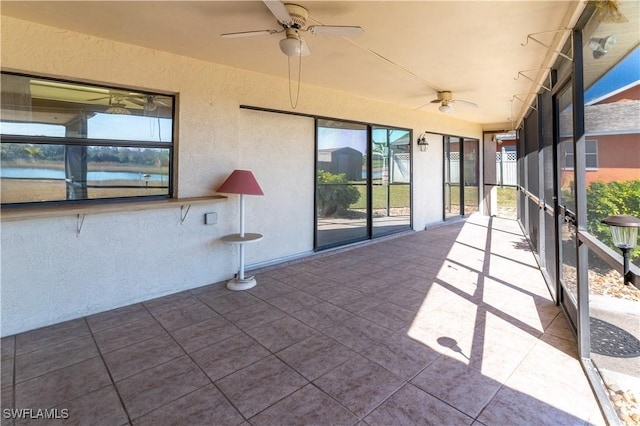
591, 147
64, 142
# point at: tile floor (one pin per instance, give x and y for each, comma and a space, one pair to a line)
453, 325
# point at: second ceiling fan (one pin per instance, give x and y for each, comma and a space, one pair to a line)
293, 20
446, 101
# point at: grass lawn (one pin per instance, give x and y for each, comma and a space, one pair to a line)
507, 196
399, 195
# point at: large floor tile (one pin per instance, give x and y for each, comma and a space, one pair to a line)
412, 406
100, 407
205, 333
307, 406
117, 317
457, 384
260, 385
52, 335
401, 355
155, 387
127, 334
205, 406
254, 315
53, 357
281, 333
133, 359
227, 356
64, 384
185, 316
315, 356
359, 384
294, 301
170, 302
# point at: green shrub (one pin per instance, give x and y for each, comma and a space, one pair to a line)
613, 198
334, 193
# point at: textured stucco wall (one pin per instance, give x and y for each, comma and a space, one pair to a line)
50, 274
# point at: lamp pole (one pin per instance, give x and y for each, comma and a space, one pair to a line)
624, 232
625, 264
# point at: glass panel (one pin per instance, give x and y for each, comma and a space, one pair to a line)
550, 251
341, 186
534, 224
471, 176
615, 344
565, 149
390, 179
452, 177
612, 95
569, 278
42, 172
39, 107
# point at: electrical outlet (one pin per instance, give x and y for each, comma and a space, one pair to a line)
210, 218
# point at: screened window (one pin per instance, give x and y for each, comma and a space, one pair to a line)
63, 141
591, 154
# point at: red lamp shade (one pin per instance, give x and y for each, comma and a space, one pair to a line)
241, 182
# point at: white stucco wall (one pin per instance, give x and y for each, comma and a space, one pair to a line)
50, 274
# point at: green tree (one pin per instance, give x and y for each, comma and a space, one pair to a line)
334, 193
608, 199
33, 152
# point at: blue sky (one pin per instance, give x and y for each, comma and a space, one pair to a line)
625, 72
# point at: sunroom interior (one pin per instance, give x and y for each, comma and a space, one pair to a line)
381, 151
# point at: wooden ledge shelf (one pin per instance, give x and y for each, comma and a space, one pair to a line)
36, 212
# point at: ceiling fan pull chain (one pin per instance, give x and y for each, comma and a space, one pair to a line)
294, 105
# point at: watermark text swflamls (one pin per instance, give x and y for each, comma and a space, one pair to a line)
35, 413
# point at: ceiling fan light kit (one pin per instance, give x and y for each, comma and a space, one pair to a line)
446, 108
118, 108
294, 45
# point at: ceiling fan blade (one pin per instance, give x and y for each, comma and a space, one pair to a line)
436, 101
248, 34
98, 99
466, 102
279, 11
422, 106
133, 100
336, 30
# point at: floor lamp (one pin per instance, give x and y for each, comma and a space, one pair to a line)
244, 183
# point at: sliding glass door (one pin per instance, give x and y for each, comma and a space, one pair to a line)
341, 183
363, 182
391, 180
461, 176
452, 206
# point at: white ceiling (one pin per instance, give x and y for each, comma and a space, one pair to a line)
409, 50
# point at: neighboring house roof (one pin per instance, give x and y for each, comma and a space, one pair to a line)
629, 92
616, 118
325, 155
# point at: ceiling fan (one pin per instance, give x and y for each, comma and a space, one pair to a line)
147, 102
446, 101
293, 19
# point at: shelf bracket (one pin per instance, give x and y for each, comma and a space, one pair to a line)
522, 73
79, 223
184, 213
531, 37
514, 97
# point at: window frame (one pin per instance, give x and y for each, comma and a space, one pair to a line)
588, 154
169, 145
